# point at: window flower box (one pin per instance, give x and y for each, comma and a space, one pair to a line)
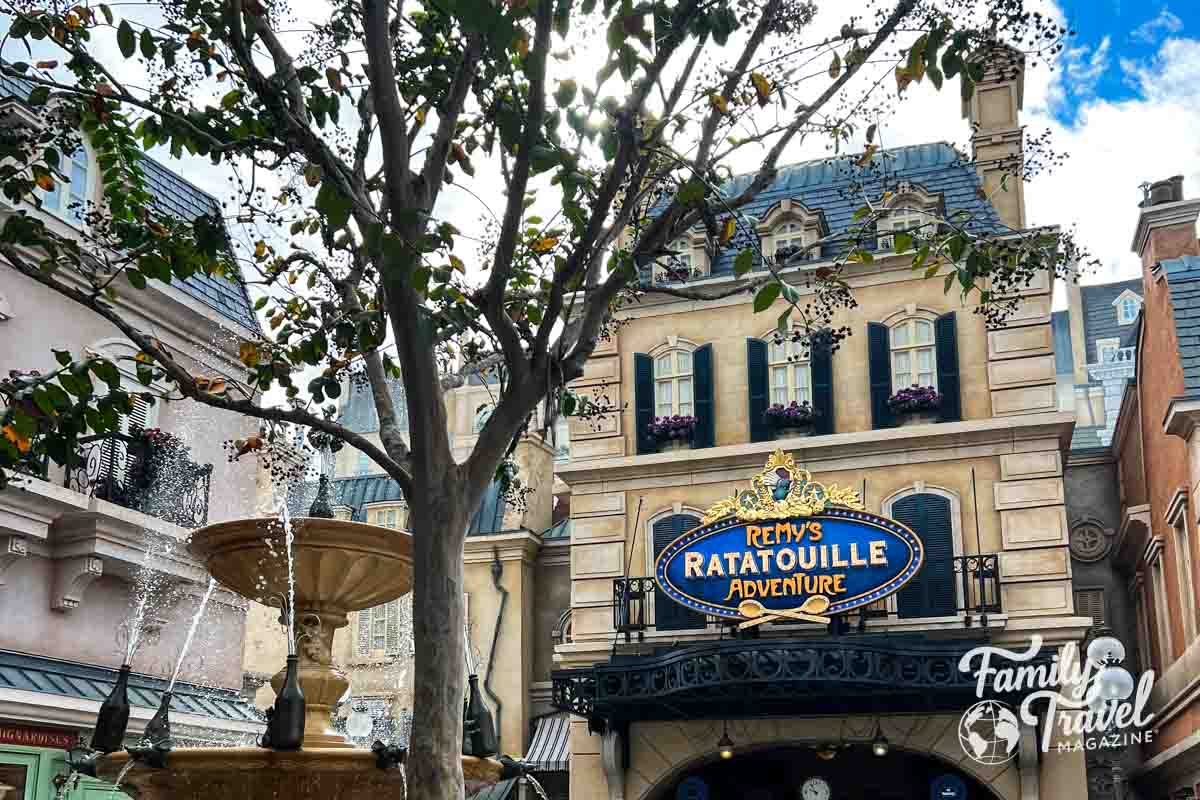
916, 405
790, 421
674, 432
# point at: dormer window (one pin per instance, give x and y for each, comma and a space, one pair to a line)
791, 233
69, 200
685, 261
1128, 304
912, 209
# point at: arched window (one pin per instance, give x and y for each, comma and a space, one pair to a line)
792, 236
933, 516
791, 378
673, 383
69, 200
913, 353
669, 615
684, 261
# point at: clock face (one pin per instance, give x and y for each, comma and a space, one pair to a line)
815, 789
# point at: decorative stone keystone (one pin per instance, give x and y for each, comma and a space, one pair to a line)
12, 549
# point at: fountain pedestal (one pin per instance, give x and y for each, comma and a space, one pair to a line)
339, 567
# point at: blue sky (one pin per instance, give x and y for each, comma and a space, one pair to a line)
1112, 33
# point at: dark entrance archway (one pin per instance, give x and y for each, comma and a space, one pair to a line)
854, 773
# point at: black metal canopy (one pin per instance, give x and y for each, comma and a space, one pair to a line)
766, 678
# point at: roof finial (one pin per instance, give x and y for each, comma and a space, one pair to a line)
1145, 187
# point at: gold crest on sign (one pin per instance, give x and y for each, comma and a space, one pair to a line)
781, 491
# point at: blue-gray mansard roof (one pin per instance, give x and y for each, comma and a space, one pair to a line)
1183, 281
175, 196
836, 187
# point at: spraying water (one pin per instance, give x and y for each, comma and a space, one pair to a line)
187, 643
144, 588
537, 787
120, 778
290, 612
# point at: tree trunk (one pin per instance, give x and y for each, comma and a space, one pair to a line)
439, 526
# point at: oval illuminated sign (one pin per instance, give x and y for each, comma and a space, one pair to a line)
827, 563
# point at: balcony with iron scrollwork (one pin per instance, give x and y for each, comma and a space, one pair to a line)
963, 588
150, 472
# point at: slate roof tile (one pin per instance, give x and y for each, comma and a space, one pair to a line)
180, 198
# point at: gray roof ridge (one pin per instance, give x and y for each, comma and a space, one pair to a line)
841, 156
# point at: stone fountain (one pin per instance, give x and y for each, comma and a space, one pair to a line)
339, 567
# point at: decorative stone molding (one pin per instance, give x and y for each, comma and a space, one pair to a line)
12, 550
1163, 215
72, 576
812, 223
611, 759
1090, 540
1181, 417
914, 195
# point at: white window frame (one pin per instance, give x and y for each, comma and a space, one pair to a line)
791, 221
1177, 519
387, 515
913, 349
66, 193
956, 535
1110, 343
794, 231
672, 383
911, 207
1158, 579
689, 255
789, 360
1128, 304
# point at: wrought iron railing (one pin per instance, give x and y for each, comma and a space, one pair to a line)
970, 588
127, 470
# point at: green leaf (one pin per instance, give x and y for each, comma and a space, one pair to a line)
334, 205
968, 87
38, 96
902, 242
781, 324
933, 268
136, 279
565, 93
231, 99
107, 12
147, 44
692, 192
744, 262
62, 356
766, 296
125, 38
948, 283
835, 66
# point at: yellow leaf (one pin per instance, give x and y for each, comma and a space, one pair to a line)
248, 354
458, 264
523, 44
217, 386
835, 66
74, 21
292, 278
143, 358
719, 102
867, 153
420, 116
202, 383
45, 182
903, 79
545, 245
13, 435
260, 250
727, 230
762, 87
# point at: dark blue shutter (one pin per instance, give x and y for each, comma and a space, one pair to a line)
947, 367
758, 381
879, 360
931, 592
669, 615
702, 397
643, 402
820, 362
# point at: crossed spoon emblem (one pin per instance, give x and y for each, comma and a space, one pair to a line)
810, 611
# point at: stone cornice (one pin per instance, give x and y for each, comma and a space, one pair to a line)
1135, 525
555, 553
522, 545
1163, 215
839, 451
1177, 506
1181, 417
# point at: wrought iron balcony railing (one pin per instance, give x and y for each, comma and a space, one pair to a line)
963, 586
136, 474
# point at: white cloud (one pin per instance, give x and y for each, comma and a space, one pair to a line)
1150, 30
1083, 67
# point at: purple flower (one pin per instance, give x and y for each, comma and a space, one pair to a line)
915, 399
674, 427
793, 415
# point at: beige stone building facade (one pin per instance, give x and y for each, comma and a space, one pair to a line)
653, 686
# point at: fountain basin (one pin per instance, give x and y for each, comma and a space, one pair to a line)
339, 567
252, 773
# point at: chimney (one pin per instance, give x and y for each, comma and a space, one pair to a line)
1166, 225
997, 140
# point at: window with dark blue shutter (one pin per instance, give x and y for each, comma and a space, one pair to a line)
931, 592
946, 334
821, 368
669, 615
643, 402
879, 362
757, 381
704, 434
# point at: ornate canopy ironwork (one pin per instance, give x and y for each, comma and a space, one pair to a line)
763, 678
